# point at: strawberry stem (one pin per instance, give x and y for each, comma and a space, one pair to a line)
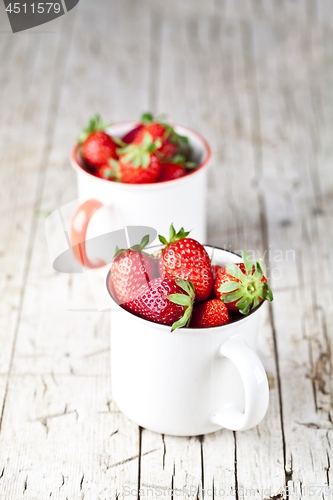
118, 141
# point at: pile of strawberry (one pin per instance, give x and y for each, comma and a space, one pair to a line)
181, 288
151, 152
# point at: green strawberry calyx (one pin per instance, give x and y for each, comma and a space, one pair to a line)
138, 247
180, 159
185, 300
181, 140
139, 154
95, 124
109, 173
249, 289
147, 118
113, 173
173, 236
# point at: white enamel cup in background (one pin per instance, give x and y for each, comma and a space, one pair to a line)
110, 205
191, 381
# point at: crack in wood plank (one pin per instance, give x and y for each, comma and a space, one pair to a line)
164, 451
96, 353
235, 463
140, 455
130, 459
25, 486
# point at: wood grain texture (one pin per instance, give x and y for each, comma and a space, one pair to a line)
255, 78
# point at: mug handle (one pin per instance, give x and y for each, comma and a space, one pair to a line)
79, 225
255, 384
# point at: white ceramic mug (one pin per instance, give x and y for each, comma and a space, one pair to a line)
191, 381
108, 205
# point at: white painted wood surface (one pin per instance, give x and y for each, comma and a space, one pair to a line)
254, 77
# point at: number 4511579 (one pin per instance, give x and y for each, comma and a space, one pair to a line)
40, 8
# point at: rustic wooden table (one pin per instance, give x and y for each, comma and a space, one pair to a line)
254, 77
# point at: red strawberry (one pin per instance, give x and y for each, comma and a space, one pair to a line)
156, 130
156, 257
216, 269
211, 313
170, 171
97, 146
141, 174
130, 270
167, 301
105, 172
131, 135
187, 259
137, 163
167, 150
171, 142
242, 286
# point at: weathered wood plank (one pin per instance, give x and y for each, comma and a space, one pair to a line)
52, 344
21, 168
294, 206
